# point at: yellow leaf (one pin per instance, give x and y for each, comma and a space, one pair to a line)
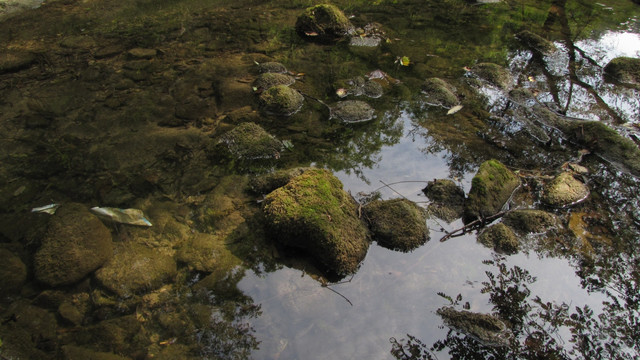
404, 61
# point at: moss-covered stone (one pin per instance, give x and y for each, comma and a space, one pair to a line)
491, 188
313, 213
250, 141
536, 42
266, 183
272, 67
11, 61
268, 80
493, 74
488, 329
323, 23
206, 253
136, 269
500, 238
281, 100
530, 221
76, 244
564, 190
624, 70
447, 199
352, 111
397, 224
13, 273
439, 93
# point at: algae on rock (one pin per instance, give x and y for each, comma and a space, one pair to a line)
312, 212
397, 224
323, 23
500, 238
491, 188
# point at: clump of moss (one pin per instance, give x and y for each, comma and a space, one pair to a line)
536, 42
352, 111
447, 199
397, 224
564, 190
250, 141
266, 183
323, 23
624, 70
530, 221
439, 93
500, 238
281, 100
313, 213
494, 74
268, 80
491, 188
486, 328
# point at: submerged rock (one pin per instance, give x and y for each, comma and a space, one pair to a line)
266, 183
500, 238
447, 199
250, 141
76, 244
313, 213
359, 86
491, 188
624, 70
485, 328
493, 74
564, 190
12, 60
281, 100
206, 253
439, 93
136, 269
272, 67
323, 23
530, 221
268, 80
79, 353
397, 224
13, 273
536, 42
352, 111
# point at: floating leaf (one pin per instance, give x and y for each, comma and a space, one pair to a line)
404, 61
454, 109
341, 92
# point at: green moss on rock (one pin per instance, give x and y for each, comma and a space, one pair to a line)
447, 199
491, 188
500, 238
352, 111
564, 190
76, 244
206, 253
281, 100
624, 70
439, 92
268, 80
266, 183
250, 141
397, 224
530, 221
313, 213
323, 23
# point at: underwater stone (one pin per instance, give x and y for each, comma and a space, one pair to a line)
79, 42
323, 23
250, 141
266, 183
564, 190
27, 329
281, 100
140, 53
487, 329
494, 74
13, 272
500, 238
624, 70
76, 244
312, 212
536, 42
491, 188
352, 111
136, 269
529, 221
12, 60
447, 199
268, 80
272, 67
397, 224
79, 353
439, 93
206, 253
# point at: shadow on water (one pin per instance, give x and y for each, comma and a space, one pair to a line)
139, 105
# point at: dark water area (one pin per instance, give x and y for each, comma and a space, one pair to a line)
157, 106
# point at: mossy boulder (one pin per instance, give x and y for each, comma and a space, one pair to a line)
312, 212
323, 23
272, 67
530, 221
499, 237
491, 188
447, 199
536, 42
12, 60
439, 93
13, 273
268, 80
494, 74
281, 100
352, 111
136, 269
487, 329
564, 190
604, 141
249, 141
266, 183
624, 70
76, 244
397, 224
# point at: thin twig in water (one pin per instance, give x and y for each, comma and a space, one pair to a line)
463, 230
398, 182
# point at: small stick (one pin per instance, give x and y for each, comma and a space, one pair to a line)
465, 228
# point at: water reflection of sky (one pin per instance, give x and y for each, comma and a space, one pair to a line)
393, 293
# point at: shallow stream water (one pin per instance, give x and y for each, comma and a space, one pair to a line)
88, 117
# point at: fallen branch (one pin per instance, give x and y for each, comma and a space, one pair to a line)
475, 224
